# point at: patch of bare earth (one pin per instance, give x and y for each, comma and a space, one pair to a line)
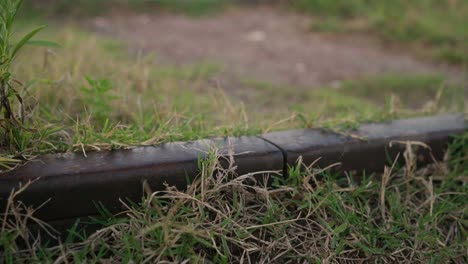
264, 44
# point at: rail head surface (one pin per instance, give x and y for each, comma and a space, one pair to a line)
73, 183
371, 146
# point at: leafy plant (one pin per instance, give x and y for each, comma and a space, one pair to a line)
11, 123
97, 97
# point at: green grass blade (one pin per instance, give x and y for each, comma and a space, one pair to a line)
24, 40
44, 43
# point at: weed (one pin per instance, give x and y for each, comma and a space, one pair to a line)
98, 99
12, 124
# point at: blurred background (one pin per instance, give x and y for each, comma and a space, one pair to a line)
181, 69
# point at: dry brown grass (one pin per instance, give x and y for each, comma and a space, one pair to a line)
410, 215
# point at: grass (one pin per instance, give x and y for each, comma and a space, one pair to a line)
436, 26
91, 95
89, 100
412, 90
370, 99
404, 215
12, 121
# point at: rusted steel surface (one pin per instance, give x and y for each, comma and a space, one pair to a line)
371, 146
73, 183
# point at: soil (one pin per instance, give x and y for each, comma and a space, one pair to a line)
265, 44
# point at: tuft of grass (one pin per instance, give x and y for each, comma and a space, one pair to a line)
411, 90
406, 214
370, 99
14, 116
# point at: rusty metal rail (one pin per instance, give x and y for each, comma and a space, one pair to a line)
73, 184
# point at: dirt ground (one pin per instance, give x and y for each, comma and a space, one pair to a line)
264, 44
